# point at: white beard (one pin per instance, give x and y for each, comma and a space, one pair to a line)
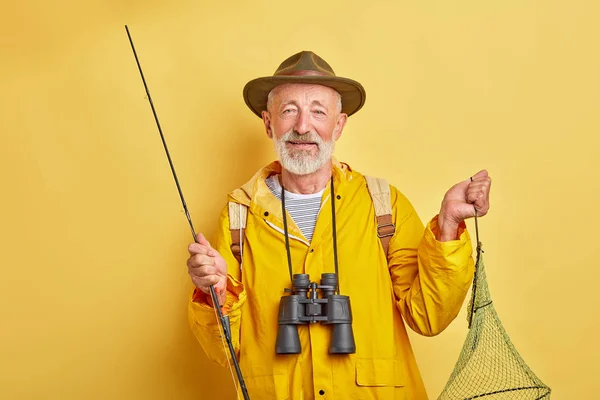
303, 162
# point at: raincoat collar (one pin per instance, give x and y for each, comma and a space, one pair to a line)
256, 195
256, 190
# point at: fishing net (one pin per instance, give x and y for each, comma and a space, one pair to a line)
489, 366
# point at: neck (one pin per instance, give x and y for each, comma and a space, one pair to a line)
306, 184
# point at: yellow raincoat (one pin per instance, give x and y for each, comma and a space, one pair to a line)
422, 281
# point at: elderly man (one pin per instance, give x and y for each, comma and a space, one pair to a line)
327, 223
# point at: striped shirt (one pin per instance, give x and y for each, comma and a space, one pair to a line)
303, 208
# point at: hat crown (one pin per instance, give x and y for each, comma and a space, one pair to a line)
304, 63
304, 67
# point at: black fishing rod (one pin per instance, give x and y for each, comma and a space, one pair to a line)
223, 319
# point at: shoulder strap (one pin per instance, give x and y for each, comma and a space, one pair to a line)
379, 189
238, 213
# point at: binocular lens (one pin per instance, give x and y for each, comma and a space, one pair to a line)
288, 341
342, 339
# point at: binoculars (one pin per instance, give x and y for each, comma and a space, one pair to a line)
304, 306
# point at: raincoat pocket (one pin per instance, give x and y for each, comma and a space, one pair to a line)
379, 372
274, 386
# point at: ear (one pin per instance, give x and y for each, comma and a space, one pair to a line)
339, 125
266, 116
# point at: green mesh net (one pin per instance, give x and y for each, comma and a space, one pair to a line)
489, 366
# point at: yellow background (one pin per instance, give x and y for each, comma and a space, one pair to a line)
93, 248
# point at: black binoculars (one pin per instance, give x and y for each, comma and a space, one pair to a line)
304, 306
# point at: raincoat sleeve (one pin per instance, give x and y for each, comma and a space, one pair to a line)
430, 278
202, 316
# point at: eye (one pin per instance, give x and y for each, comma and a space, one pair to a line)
320, 112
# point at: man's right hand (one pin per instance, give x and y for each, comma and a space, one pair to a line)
207, 267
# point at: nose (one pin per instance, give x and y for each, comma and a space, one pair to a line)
303, 124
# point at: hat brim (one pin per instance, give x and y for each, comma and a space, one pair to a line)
257, 90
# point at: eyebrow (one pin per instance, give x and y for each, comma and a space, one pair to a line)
295, 103
287, 103
318, 103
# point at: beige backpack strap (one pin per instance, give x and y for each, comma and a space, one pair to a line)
379, 189
238, 213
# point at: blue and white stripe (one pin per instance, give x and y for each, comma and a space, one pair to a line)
303, 208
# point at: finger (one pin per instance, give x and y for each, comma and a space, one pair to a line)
481, 174
203, 271
205, 282
201, 260
480, 201
202, 240
195, 248
221, 294
462, 185
481, 186
220, 290
477, 192
475, 197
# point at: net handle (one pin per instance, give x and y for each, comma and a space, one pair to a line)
476, 228
479, 251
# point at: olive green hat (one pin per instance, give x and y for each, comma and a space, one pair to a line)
304, 67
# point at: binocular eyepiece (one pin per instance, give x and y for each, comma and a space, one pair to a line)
304, 306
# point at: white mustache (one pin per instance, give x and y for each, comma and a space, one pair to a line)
293, 136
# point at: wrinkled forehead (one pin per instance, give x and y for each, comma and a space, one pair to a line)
304, 92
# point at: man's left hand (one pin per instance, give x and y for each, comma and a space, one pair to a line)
461, 202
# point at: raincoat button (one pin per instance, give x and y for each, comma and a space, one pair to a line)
266, 213
311, 250
338, 197
321, 392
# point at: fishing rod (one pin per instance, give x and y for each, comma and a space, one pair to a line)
223, 319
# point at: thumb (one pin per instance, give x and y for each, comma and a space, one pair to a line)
200, 239
204, 242
481, 174
465, 210
460, 187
